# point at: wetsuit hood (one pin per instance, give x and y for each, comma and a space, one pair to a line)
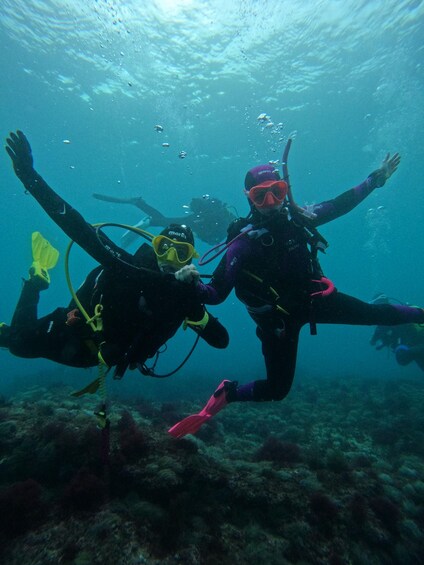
260, 174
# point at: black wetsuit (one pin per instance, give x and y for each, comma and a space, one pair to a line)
208, 216
273, 268
406, 342
142, 307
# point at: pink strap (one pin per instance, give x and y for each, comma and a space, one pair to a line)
327, 291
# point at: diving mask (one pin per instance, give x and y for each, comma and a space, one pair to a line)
172, 251
268, 194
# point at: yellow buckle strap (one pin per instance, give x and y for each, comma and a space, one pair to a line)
200, 323
271, 289
277, 298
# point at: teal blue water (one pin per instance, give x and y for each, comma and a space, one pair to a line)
88, 81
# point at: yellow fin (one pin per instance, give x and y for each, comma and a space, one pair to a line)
91, 388
43, 252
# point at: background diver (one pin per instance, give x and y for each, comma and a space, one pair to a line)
405, 341
142, 304
209, 217
271, 261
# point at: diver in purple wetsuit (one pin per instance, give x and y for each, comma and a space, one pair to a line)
271, 261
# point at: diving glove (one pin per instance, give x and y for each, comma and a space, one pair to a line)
19, 150
187, 274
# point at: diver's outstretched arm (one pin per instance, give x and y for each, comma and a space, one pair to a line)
67, 218
348, 200
157, 219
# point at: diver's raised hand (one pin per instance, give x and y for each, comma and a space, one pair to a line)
390, 164
187, 274
388, 167
19, 150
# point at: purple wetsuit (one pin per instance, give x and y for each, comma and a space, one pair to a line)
272, 268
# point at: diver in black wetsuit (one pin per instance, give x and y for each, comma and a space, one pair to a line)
271, 261
142, 304
208, 217
405, 341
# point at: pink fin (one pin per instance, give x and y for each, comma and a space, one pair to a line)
189, 425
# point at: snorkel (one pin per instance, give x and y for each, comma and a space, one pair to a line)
327, 286
290, 199
285, 169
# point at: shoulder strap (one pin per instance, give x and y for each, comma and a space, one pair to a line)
315, 239
235, 228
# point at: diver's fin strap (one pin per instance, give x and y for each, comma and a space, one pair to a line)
36, 271
197, 324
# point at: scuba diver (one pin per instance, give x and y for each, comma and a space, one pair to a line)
405, 341
132, 304
208, 218
272, 262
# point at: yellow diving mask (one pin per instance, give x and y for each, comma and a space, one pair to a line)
177, 253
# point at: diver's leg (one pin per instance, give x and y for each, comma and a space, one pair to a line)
4, 335
419, 356
339, 308
31, 338
50, 338
406, 355
213, 332
156, 217
279, 348
279, 336
26, 309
